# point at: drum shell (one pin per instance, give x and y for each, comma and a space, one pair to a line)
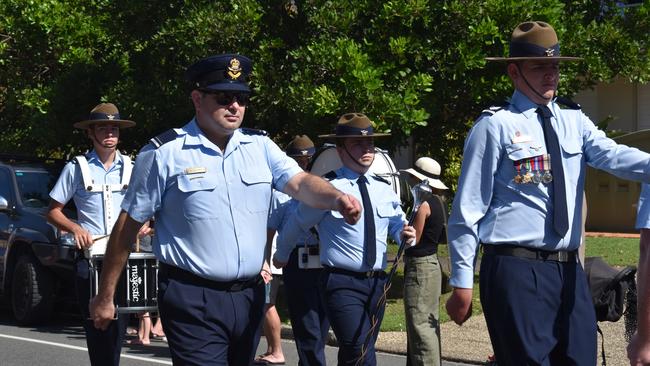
137, 288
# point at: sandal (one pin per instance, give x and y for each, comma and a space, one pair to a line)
137, 342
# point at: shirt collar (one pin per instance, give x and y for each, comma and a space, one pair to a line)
93, 158
521, 102
351, 175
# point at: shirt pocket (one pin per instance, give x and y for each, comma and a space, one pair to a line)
572, 159
257, 188
524, 150
199, 199
571, 147
385, 210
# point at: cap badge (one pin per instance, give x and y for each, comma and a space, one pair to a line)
110, 116
304, 152
550, 52
364, 132
234, 69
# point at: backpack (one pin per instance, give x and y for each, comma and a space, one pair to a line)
609, 287
613, 293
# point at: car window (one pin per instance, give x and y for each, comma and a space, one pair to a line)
34, 187
5, 185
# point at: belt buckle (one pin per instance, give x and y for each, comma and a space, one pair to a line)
563, 256
368, 274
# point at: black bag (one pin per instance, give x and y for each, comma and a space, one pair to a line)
609, 287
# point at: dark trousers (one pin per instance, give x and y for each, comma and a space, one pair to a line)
307, 311
351, 304
208, 326
538, 312
104, 346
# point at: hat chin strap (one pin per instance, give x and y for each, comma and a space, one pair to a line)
531, 87
94, 138
355, 160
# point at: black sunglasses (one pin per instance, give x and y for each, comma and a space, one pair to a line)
228, 98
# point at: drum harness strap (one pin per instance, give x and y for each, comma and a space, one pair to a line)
106, 189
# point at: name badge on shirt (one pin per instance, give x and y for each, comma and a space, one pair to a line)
519, 138
196, 170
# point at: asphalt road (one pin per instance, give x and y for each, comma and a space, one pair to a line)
62, 342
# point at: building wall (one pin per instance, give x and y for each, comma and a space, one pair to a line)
611, 201
619, 100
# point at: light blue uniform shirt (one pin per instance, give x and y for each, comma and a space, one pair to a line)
491, 208
211, 208
282, 208
90, 205
341, 244
643, 210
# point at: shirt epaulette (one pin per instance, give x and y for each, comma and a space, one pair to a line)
495, 108
381, 179
164, 138
253, 131
566, 102
331, 175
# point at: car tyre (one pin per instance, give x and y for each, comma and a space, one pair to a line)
32, 292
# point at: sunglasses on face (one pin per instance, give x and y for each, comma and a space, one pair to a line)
228, 98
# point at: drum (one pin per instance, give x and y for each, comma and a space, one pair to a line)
327, 159
137, 289
98, 248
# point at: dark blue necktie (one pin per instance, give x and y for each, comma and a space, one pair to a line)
560, 213
369, 232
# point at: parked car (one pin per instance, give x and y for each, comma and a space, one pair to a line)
36, 261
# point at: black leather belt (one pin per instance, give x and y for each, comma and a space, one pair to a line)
176, 273
531, 253
367, 274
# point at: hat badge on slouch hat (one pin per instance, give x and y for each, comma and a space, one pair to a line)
104, 113
534, 40
301, 146
225, 72
354, 125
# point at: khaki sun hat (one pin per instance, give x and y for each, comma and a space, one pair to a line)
429, 169
104, 113
301, 146
354, 125
534, 40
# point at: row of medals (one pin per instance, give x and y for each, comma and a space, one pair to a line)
534, 170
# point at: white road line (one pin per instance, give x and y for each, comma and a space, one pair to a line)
63, 345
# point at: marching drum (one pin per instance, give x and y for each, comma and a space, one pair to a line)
137, 289
327, 159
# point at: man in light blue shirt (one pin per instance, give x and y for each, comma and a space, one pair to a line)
208, 185
520, 197
638, 351
304, 300
353, 255
97, 184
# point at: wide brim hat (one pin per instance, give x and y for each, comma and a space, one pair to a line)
353, 125
534, 40
429, 169
301, 145
104, 113
226, 72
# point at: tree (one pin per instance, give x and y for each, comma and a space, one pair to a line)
416, 67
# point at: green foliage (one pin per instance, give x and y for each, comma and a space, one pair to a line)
416, 67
